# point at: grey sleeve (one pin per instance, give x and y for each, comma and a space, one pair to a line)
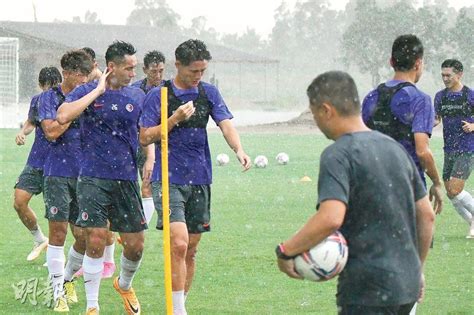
334, 176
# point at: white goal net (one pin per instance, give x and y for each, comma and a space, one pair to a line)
9, 107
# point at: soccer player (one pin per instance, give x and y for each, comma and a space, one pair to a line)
154, 66
370, 190
61, 169
190, 104
399, 109
454, 105
109, 262
30, 181
107, 187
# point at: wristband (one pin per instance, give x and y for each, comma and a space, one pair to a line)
280, 252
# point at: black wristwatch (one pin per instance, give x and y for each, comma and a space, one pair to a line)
279, 251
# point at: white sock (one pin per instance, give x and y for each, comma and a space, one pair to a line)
459, 202
467, 201
413, 310
148, 208
55, 260
38, 235
128, 268
109, 253
73, 264
178, 303
92, 274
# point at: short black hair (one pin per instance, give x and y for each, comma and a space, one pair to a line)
49, 76
77, 60
117, 51
337, 88
90, 52
406, 50
453, 63
192, 50
153, 56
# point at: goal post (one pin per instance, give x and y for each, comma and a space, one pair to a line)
9, 78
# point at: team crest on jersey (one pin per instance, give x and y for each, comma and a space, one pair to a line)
53, 210
129, 108
84, 216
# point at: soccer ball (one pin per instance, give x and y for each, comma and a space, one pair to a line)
282, 158
222, 159
261, 161
324, 261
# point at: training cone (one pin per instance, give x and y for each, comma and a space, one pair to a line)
305, 179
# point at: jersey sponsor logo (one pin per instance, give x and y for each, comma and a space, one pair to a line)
53, 210
114, 107
84, 216
129, 108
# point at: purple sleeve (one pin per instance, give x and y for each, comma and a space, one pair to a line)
47, 106
368, 105
151, 113
219, 110
423, 114
471, 97
77, 93
31, 110
437, 102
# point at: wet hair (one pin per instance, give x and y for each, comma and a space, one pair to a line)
117, 51
453, 63
336, 88
49, 76
90, 52
153, 56
192, 50
406, 50
77, 60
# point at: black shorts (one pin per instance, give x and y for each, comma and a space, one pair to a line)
457, 165
30, 180
116, 201
349, 309
190, 204
60, 199
141, 158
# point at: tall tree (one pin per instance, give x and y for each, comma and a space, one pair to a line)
462, 37
156, 13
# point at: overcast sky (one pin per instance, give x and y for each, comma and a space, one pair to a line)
226, 16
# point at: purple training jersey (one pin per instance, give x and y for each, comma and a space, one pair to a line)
39, 149
189, 155
141, 84
109, 132
412, 107
64, 153
455, 139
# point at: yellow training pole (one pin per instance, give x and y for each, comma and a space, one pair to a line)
166, 199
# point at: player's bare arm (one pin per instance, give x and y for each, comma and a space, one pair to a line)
53, 129
27, 128
233, 140
153, 134
149, 162
425, 155
67, 112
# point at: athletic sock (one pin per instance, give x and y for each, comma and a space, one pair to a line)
148, 208
459, 202
73, 264
55, 260
38, 235
109, 253
128, 268
92, 274
178, 303
467, 201
413, 310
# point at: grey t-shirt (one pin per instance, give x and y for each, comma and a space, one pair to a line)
378, 181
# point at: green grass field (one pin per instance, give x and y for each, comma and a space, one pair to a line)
251, 213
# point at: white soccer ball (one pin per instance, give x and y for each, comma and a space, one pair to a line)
282, 158
222, 159
261, 161
324, 261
